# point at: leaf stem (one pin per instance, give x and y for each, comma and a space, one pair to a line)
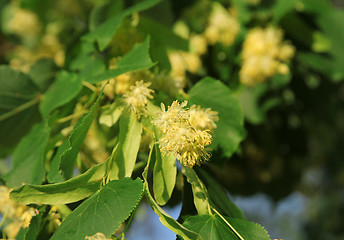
70, 117
21, 108
231, 227
90, 86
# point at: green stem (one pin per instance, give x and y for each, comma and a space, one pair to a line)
20, 108
70, 117
90, 86
231, 227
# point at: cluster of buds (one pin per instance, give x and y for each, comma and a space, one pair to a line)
16, 215
264, 55
137, 97
185, 133
223, 27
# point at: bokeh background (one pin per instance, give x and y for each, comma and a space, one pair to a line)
288, 173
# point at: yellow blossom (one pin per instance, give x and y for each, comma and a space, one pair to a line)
18, 215
122, 83
97, 236
264, 55
223, 27
184, 61
198, 44
48, 47
12, 229
24, 23
180, 137
137, 97
203, 119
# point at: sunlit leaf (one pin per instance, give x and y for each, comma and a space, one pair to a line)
130, 130
72, 190
137, 59
63, 162
102, 212
164, 175
200, 192
164, 217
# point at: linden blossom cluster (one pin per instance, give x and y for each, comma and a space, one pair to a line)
137, 98
186, 133
264, 55
223, 27
16, 215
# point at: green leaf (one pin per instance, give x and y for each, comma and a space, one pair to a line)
219, 197
43, 73
281, 8
249, 100
164, 217
65, 88
212, 227
72, 190
163, 34
19, 97
164, 175
102, 212
129, 138
200, 192
137, 59
112, 113
28, 158
104, 11
211, 93
163, 38
35, 225
104, 33
62, 164
93, 67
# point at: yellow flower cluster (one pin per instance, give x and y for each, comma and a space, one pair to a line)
38, 42
203, 119
18, 215
49, 47
24, 23
182, 135
183, 61
137, 97
264, 55
97, 236
223, 27
121, 84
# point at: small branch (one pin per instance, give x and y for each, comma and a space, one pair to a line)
20, 108
70, 117
90, 86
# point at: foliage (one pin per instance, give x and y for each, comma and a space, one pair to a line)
108, 104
